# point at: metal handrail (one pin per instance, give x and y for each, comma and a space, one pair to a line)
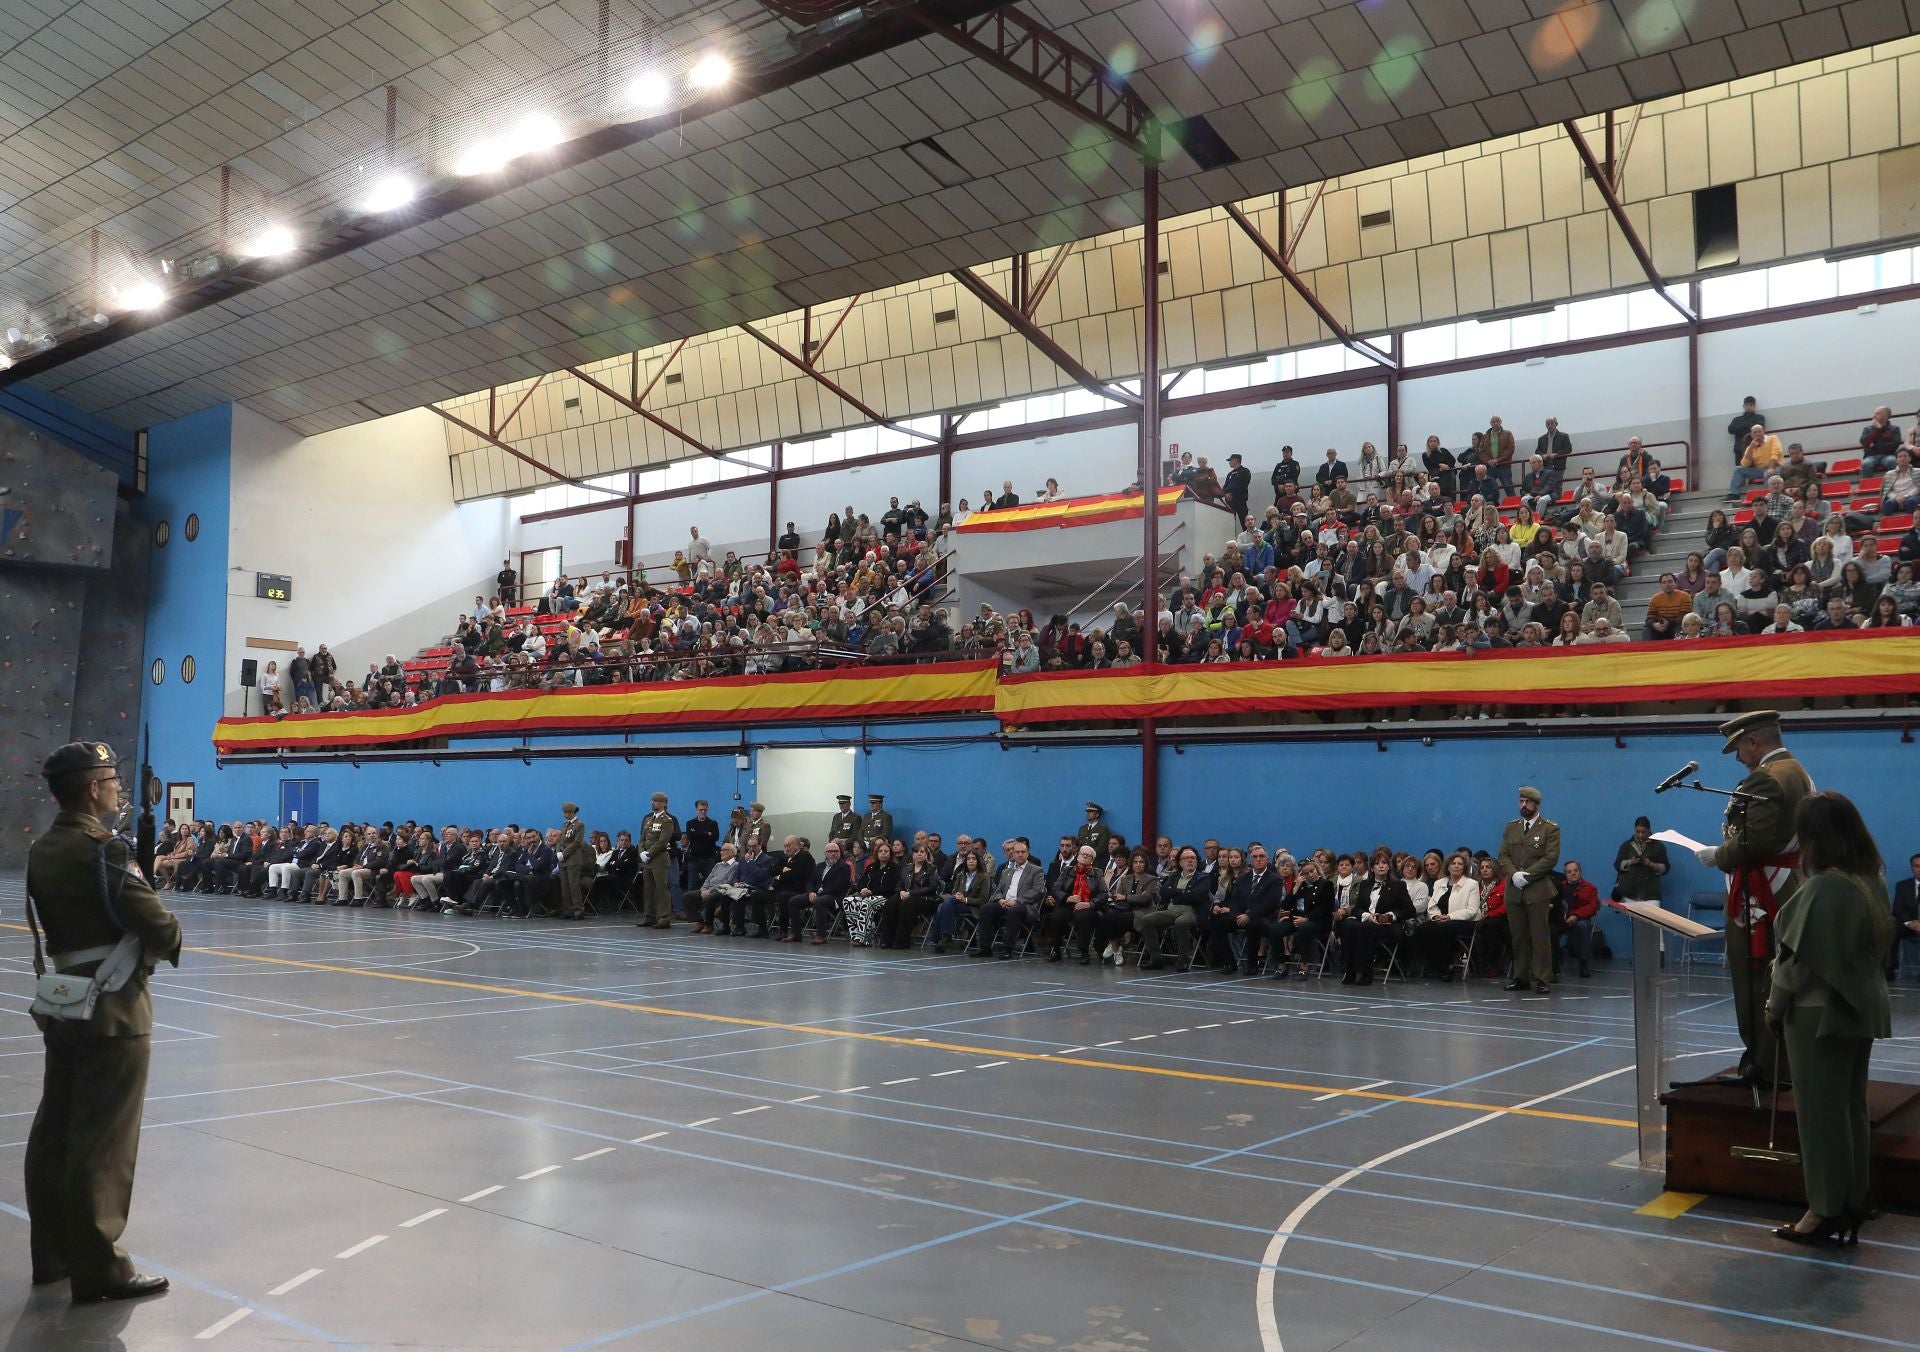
1123, 570
1853, 438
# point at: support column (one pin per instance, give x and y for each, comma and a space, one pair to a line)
1393, 393
949, 431
1695, 455
1150, 486
778, 450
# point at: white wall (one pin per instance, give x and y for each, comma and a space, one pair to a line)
1103, 460
805, 501
363, 520
1600, 398
1309, 424
1834, 367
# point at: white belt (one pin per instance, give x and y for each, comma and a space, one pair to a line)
80, 957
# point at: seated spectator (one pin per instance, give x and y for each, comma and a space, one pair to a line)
1758, 458
1899, 491
1783, 621
1879, 441
1666, 608
1580, 901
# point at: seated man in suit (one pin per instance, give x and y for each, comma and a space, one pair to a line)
831, 881
539, 872
710, 895
1906, 915
792, 874
752, 886
1012, 905
496, 881
1253, 901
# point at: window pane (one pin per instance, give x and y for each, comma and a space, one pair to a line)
1735, 294
1325, 360
1420, 346
1475, 339
1597, 317
1797, 283
1645, 310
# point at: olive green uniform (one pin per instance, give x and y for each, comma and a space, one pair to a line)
844, 826
576, 867
1757, 831
658, 830
1095, 834
86, 1135
876, 825
1532, 848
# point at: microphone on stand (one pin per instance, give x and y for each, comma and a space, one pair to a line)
1677, 777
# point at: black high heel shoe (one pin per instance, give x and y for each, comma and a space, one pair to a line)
1839, 1232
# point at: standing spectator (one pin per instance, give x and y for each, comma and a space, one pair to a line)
1742, 423
1285, 477
270, 689
1330, 473
1499, 453
1239, 479
507, 582
324, 671
1553, 448
1639, 864
300, 673
699, 549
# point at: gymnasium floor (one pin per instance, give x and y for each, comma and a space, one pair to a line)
377, 1130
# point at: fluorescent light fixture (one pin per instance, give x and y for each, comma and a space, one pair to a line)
711, 72
648, 91
483, 157
532, 133
142, 296
389, 194
274, 240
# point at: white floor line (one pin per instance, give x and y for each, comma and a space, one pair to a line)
938, 1073
215, 1330
594, 1154
1239, 1021
423, 1218
804, 1098
1322, 1098
1144, 1037
1069, 1051
535, 1173
742, 1112
642, 1140
1115, 1043
704, 1122
484, 1192
853, 1089
1204, 1026
292, 1282
1171, 1031
1269, 1261
362, 1246
884, 1084
989, 1065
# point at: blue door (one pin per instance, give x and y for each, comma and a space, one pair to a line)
299, 801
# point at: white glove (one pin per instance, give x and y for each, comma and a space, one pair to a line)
645, 855
1519, 880
1707, 857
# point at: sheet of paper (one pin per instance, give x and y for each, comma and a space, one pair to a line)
1688, 843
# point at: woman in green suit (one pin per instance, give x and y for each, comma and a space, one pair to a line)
1830, 1000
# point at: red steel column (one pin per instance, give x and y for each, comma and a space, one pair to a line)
1150, 487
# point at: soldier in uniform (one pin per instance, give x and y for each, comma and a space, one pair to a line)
878, 823
846, 822
1529, 848
1761, 859
576, 863
657, 832
87, 891
1094, 832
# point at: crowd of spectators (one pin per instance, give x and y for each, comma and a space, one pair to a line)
1251, 910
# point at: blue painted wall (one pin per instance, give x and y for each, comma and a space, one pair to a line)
189, 472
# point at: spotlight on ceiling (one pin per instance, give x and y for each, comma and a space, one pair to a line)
482, 157
711, 72
142, 296
648, 92
389, 194
533, 133
271, 242
5, 361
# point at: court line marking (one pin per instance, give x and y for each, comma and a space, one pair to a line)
1270, 1260
216, 1329
423, 1218
651, 1136
1169, 1072
535, 1173
484, 1192
362, 1246
292, 1282
594, 1154
704, 1122
737, 1112
1375, 1085
804, 1098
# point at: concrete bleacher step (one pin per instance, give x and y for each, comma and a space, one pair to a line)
1683, 533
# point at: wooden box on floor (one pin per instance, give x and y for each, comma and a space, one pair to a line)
1705, 1122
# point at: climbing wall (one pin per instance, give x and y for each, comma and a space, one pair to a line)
72, 602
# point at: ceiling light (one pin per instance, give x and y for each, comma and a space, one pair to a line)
5, 361
482, 157
142, 296
712, 72
537, 132
389, 194
649, 91
274, 240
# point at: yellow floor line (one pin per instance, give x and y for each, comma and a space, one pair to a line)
965, 1049
1671, 1204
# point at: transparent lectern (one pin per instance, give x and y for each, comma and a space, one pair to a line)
1656, 994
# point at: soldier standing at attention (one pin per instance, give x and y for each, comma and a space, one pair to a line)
1761, 859
1094, 832
878, 824
576, 863
846, 822
1529, 848
657, 830
87, 892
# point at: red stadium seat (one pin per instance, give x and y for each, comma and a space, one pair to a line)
1754, 495
1865, 505
1679, 482
1851, 465
1901, 522
1872, 485
1743, 517
1508, 504
1838, 489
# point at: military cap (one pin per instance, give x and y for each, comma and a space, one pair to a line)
659, 797
1759, 720
569, 809
1531, 794
843, 797
1095, 807
876, 798
75, 757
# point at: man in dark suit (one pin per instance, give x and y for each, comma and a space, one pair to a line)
1253, 902
1235, 486
1285, 477
700, 843
539, 872
1014, 903
831, 880
792, 877
1553, 448
496, 882
1330, 473
1906, 915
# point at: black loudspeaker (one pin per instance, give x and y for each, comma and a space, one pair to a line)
248, 669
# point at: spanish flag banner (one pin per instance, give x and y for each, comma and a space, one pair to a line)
1876, 662
1066, 512
806, 697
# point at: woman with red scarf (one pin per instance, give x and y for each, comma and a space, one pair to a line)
1079, 896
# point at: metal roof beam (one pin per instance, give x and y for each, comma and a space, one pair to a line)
1286, 269
1041, 339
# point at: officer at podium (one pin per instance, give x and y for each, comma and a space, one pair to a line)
1761, 859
